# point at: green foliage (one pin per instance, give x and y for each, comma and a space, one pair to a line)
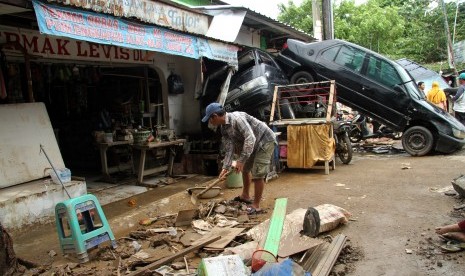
395, 28
300, 17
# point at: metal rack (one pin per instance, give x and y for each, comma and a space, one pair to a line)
308, 104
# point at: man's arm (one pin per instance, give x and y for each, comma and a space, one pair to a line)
249, 139
458, 94
229, 149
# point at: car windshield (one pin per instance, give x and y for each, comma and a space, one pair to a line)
408, 83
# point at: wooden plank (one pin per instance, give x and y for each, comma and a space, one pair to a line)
315, 256
304, 121
329, 258
273, 104
227, 235
276, 226
173, 257
330, 100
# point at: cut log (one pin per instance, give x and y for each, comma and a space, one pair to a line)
8, 262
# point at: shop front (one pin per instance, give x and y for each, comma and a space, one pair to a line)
104, 80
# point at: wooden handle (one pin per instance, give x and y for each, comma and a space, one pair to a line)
213, 184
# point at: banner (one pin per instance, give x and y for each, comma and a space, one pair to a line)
105, 29
55, 47
147, 11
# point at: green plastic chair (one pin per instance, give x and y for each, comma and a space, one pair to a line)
81, 225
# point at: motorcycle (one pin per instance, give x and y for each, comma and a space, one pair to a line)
343, 145
359, 130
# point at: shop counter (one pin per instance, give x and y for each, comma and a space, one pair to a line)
103, 148
166, 145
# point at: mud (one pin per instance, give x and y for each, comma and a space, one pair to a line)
396, 201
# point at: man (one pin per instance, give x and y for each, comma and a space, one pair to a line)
454, 231
421, 86
459, 101
253, 142
437, 96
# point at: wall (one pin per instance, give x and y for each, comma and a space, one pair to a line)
184, 109
248, 37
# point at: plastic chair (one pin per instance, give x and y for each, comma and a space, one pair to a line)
81, 225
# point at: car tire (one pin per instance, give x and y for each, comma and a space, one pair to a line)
417, 141
302, 77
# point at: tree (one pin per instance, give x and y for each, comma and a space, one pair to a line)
300, 17
395, 28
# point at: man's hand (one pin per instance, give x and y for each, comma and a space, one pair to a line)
239, 167
223, 174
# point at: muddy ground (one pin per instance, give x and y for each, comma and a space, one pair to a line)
395, 200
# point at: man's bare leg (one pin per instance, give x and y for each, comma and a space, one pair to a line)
246, 181
458, 236
259, 185
448, 228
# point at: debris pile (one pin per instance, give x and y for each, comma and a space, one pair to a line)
201, 240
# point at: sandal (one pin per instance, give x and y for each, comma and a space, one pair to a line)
452, 247
240, 199
254, 211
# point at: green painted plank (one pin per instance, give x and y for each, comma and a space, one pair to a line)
276, 226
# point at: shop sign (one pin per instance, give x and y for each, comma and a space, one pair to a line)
218, 51
39, 45
104, 29
101, 28
147, 11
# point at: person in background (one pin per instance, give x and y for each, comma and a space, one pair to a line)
437, 96
253, 141
421, 86
458, 100
453, 231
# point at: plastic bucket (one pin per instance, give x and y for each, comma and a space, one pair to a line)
234, 180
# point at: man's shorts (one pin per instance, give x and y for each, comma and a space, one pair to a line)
259, 162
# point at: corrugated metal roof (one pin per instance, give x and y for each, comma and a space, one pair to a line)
261, 22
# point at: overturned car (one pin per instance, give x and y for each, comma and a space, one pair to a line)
378, 87
250, 89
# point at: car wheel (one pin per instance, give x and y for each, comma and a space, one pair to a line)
417, 141
302, 77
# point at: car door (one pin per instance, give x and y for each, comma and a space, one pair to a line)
344, 64
378, 84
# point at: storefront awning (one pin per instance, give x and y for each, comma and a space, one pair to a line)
105, 29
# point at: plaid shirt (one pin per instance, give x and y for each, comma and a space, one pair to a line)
243, 134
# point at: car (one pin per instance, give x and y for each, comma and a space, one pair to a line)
377, 87
421, 73
251, 88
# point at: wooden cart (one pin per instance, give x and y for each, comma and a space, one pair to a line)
306, 140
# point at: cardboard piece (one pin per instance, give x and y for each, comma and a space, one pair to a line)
292, 241
184, 217
227, 235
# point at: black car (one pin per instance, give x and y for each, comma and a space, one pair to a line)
251, 88
378, 87
421, 73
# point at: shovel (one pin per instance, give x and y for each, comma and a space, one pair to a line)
195, 197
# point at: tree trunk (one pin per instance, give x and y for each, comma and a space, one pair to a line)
8, 262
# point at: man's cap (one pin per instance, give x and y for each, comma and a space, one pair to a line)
211, 108
462, 76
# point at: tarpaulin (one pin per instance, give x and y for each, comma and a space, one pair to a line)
307, 144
